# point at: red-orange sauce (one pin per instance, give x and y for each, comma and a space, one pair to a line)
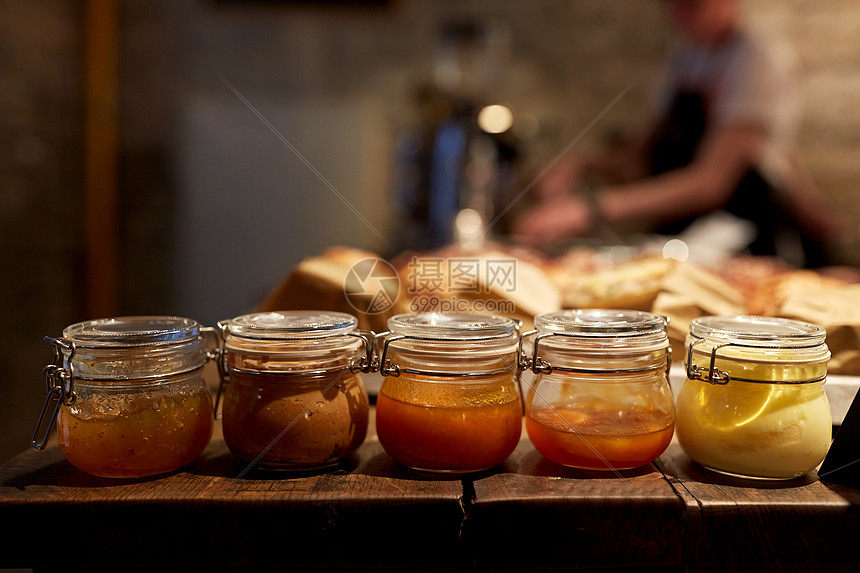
455, 439
600, 438
139, 435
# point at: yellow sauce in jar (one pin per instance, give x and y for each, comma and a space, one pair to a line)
771, 420
754, 429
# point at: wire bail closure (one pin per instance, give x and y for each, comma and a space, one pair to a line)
60, 385
386, 367
540, 366
714, 375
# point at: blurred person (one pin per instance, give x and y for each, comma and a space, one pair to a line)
723, 139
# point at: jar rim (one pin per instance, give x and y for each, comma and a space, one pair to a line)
758, 331
600, 323
290, 324
456, 326
132, 331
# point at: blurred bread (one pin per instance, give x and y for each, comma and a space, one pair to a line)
837, 310
448, 280
493, 281
768, 296
317, 283
521, 284
593, 283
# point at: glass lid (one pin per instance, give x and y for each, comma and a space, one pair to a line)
464, 326
598, 323
288, 324
128, 331
760, 331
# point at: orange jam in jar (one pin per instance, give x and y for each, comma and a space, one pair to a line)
597, 438
449, 401
600, 398
293, 399
131, 397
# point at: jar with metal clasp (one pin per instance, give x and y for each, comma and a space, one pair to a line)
600, 398
292, 395
128, 395
449, 400
753, 404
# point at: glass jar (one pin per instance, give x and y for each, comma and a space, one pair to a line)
753, 404
449, 401
293, 399
128, 394
600, 399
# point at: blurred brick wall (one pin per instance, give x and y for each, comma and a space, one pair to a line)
826, 38
40, 207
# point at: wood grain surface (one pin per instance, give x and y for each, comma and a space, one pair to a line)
734, 524
527, 514
533, 513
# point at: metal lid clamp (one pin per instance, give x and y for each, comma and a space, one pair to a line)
451, 335
714, 375
602, 333
389, 368
540, 366
524, 362
60, 384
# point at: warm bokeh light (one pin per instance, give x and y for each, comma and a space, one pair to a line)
495, 118
676, 249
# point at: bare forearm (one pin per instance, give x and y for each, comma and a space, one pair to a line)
677, 194
704, 185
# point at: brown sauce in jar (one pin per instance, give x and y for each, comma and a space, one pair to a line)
294, 421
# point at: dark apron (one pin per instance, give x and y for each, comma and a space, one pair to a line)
753, 198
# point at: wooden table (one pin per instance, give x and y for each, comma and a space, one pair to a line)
527, 514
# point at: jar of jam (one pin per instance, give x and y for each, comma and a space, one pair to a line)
128, 395
293, 399
600, 398
753, 404
449, 401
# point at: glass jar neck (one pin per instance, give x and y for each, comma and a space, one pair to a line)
717, 361
599, 359
622, 354
132, 347
450, 345
599, 341
452, 358
152, 383
294, 355
300, 341
141, 362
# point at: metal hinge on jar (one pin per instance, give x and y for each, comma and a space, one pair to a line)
388, 368
714, 375
540, 366
60, 383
